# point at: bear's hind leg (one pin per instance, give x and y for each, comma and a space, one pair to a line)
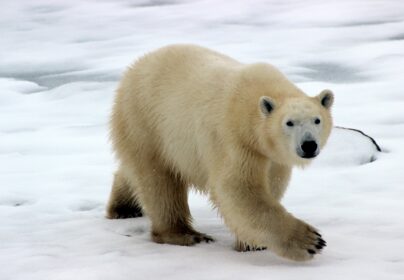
123, 202
164, 197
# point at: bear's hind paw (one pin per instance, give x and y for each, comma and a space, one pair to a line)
184, 239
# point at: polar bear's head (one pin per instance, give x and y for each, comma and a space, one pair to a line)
296, 128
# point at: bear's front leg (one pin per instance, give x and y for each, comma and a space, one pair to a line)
257, 218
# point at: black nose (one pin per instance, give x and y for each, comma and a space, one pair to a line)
309, 148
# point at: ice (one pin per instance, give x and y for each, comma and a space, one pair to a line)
60, 62
347, 147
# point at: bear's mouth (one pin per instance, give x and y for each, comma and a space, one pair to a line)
308, 156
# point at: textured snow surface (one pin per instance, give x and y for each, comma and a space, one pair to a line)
59, 65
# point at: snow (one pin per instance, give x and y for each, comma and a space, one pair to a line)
60, 64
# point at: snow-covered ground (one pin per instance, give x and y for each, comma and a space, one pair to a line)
59, 65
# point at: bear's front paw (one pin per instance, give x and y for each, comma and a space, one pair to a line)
302, 243
241, 246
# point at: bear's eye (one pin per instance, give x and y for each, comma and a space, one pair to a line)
290, 123
317, 121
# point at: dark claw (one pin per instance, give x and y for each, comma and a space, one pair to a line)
248, 248
197, 239
319, 247
311, 252
208, 239
316, 233
261, 248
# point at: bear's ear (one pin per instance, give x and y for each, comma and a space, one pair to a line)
266, 105
326, 98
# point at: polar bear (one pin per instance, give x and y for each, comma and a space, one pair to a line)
187, 116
